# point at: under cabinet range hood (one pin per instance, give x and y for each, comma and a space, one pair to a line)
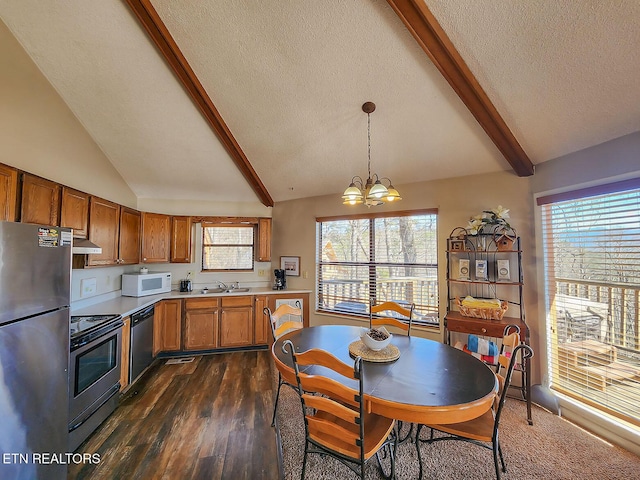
82, 246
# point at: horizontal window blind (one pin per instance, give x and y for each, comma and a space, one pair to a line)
592, 270
376, 259
227, 247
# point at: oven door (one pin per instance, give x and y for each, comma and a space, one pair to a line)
94, 369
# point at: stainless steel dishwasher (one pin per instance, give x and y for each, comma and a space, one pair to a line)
141, 342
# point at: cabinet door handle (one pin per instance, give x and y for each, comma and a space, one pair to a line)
484, 330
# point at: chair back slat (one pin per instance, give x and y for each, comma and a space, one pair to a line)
278, 327
402, 324
322, 357
324, 404
335, 437
287, 327
329, 387
510, 340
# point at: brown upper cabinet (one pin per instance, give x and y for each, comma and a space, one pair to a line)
129, 238
8, 193
181, 239
104, 231
40, 200
75, 211
264, 240
156, 238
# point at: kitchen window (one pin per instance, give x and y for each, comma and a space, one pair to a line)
375, 258
592, 285
227, 247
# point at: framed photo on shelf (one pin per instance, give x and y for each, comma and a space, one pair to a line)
456, 245
463, 269
291, 265
481, 270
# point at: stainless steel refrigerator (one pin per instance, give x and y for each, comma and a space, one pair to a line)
35, 293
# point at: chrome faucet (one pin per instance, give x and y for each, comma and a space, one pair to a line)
234, 285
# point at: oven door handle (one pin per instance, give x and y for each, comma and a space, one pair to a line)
112, 391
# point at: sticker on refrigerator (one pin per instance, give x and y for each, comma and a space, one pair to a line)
48, 237
66, 239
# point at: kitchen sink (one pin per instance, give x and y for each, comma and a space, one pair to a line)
226, 290
214, 290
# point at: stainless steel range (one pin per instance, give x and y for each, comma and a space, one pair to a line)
94, 373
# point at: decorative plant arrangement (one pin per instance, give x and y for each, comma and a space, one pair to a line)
494, 222
489, 221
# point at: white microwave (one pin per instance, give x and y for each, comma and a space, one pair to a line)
141, 284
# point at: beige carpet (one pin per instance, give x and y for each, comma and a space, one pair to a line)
550, 449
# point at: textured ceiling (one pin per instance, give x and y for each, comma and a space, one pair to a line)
562, 73
289, 79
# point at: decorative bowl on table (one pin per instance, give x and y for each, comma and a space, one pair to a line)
375, 338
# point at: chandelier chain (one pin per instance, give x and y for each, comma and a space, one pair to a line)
369, 144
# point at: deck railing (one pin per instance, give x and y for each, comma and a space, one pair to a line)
352, 296
623, 312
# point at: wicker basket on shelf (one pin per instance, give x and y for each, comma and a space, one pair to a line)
484, 313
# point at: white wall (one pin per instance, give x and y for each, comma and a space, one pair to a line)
39, 134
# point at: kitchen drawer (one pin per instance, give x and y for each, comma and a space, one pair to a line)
455, 322
201, 303
239, 301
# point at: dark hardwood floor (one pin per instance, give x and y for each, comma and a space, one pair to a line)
207, 419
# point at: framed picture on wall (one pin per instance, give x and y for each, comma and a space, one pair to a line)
291, 265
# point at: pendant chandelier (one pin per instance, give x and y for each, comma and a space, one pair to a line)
372, 192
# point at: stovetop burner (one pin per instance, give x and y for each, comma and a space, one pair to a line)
82, 324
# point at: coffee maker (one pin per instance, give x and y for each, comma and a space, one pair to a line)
185, 285
280, 282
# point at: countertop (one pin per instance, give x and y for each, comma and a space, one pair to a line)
127, 305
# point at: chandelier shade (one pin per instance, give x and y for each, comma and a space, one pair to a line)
373, 192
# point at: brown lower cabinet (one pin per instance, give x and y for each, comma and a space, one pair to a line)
124, 358
236, 321
209, 323
201, 323
167, 326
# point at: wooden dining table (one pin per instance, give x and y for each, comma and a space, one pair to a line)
429, 383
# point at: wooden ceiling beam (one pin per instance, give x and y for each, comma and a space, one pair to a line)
160, 35
436, 44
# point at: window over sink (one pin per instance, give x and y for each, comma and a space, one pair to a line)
227, 247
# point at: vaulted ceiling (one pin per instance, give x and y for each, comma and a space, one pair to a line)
261, 101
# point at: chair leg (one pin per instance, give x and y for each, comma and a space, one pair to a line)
304, 459
275, 404
496, 447
393, 449
504, 467
418, 448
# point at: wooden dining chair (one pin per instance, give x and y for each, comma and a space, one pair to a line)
281, 323
336, 422
403, 323
510, 340
482, 431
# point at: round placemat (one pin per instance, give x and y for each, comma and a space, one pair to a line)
387, 354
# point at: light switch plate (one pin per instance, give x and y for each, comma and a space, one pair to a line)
88, 287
